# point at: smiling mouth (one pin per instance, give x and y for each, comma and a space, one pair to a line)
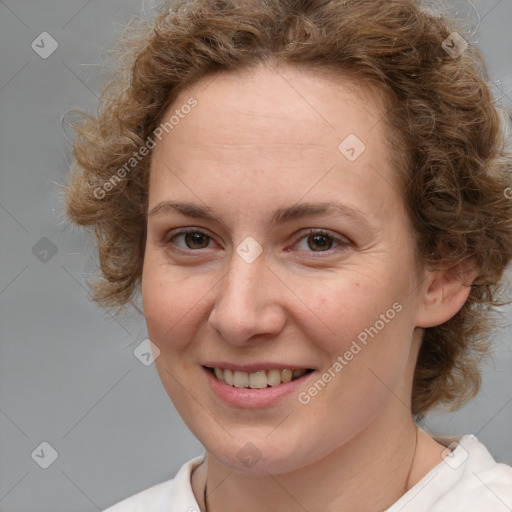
259, 379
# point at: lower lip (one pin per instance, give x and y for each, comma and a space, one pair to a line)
249, 398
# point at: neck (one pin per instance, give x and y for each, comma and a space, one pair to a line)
368, 473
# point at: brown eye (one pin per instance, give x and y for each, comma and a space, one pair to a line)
320, 242
191, 240
196, 240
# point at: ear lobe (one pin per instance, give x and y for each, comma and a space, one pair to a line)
444, 293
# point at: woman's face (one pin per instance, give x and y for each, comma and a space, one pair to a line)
270, 277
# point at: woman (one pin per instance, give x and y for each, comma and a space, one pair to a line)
310, 197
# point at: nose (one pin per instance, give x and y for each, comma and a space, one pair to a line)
247, 307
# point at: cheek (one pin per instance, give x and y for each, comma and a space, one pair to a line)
339, 311
169, 300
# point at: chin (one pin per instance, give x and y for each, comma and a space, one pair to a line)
262, 458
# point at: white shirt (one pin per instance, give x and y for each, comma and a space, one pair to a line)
467, 480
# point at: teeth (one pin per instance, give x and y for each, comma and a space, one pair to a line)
274, 377
241, 379
286, 375
259, 379
228, 376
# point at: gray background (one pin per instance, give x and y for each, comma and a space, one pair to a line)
68, 374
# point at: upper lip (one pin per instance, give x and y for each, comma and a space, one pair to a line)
254, 367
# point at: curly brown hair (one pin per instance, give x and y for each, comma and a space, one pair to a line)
446, 129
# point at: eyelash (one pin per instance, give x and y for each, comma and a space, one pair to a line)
342, 242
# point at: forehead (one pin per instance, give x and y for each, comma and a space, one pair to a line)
305, 102
267, 121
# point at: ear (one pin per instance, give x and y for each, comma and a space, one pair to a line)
444, 292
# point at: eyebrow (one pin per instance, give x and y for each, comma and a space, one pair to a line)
280, 216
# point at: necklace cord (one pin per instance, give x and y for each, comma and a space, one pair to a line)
412, 461
204, 496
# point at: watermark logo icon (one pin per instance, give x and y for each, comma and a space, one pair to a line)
146, 352
455, 455
44, 250
454, 45
249, 455
44, 45
44, 455
352, 147
249, 249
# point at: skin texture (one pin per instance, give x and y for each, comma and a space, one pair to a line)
260, 140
